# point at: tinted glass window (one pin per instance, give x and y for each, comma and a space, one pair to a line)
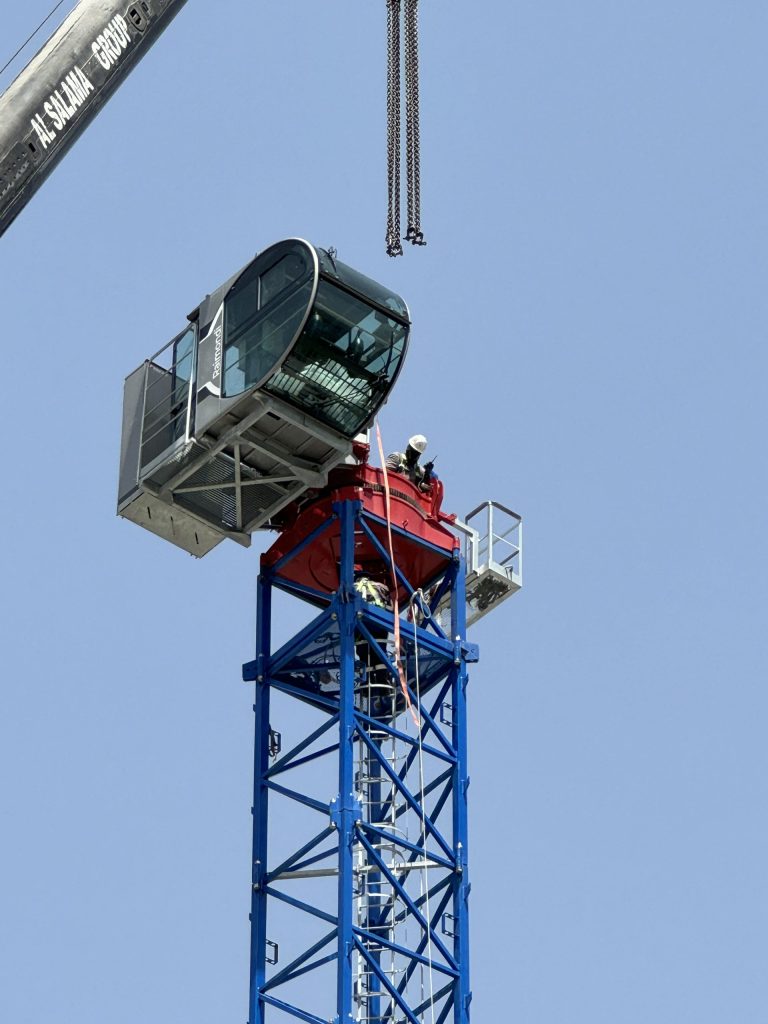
262, 313
341, 368
183, 351
375, 291
243, 300
283, 274
167, 395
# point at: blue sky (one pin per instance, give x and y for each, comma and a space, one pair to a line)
588, 347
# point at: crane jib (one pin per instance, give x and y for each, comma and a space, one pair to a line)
55, 97
63, 103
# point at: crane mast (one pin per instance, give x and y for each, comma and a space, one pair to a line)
56, 96
382, 870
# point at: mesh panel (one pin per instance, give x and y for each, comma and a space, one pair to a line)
176, 462
218, 505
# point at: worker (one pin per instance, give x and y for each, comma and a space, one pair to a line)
371, 590
377, 594
407, 462
377, 696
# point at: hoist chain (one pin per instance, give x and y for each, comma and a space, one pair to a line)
413, 152
394, 247
414, 234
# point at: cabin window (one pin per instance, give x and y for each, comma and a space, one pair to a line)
262, 314
282, 275
167, 396
341, 367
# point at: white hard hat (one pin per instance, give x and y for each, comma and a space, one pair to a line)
419, 442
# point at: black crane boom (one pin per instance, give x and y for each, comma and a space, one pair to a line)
54, 99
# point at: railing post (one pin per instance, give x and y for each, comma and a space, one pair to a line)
143, 418
490, 534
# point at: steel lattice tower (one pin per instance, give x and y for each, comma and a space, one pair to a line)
252, 417
369, 908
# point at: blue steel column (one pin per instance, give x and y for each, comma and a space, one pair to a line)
459, 680
346, 609
260, 802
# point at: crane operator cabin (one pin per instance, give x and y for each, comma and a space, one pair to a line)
258, 396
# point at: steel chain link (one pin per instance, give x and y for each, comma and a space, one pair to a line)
410, 72
414, 233
394, 246
408, 76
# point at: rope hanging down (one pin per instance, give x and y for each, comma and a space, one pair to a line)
30, 38
410, 72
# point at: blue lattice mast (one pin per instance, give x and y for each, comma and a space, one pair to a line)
371, 902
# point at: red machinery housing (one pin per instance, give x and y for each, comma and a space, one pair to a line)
422, 544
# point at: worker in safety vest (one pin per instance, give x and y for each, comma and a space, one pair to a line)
407, 462
378, 697
370, 590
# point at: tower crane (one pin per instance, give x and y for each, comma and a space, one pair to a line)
253, 417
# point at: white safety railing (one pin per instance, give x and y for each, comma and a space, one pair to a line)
493, 549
